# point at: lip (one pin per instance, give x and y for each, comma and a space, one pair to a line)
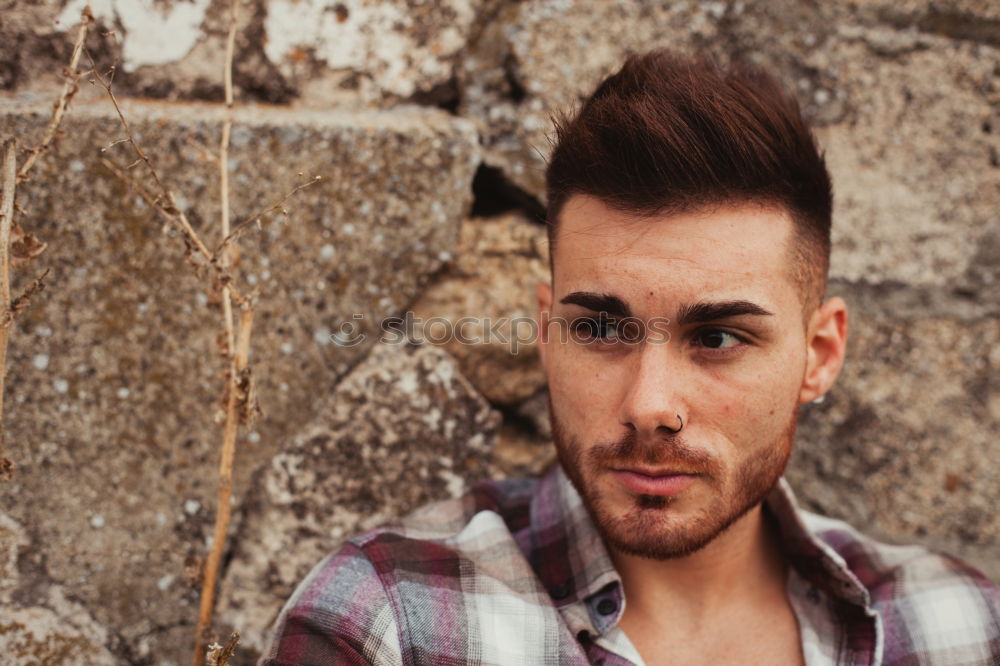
662, 483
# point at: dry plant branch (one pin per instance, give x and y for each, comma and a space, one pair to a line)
236, 405
238, 354
202, 150
7, 211
165, 193
219, 655
227, 127
133, 184
69, 90
256, 218
21, 302
164, 202
239, 395
9, 177
26, 246
191, 238
9, 309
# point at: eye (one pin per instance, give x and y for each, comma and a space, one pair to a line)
715, 338
602, 329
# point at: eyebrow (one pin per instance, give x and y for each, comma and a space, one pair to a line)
598, 303
696, 313
693, 313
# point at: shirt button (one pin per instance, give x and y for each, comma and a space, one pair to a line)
560, 592
606, 606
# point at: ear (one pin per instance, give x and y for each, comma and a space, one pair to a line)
826, 345
543, 292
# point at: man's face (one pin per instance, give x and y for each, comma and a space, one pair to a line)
716, 283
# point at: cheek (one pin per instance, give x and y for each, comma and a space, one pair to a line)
753, 408
571, 385
582, 392
761, 384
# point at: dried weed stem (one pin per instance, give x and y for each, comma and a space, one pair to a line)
164, 202
70, 86
278, 206
219, 655
239, 394
238, 397
238, 354
9, 175
27, 246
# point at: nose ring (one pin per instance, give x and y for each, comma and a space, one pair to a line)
674, 431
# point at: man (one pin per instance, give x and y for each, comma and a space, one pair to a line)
689, 213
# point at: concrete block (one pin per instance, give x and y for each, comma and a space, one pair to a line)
113, 373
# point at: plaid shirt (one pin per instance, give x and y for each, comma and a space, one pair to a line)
514, 572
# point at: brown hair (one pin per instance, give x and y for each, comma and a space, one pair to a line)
668, 134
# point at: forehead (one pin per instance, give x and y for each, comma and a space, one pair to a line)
729, 249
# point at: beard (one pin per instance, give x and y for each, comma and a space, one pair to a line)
654, 526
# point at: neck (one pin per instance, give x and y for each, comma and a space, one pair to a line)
738, 566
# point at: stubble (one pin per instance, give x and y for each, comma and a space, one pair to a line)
652, 527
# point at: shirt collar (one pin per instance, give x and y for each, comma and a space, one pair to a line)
566, 550
812, 557
570, 558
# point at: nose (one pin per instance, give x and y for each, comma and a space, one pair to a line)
653, 404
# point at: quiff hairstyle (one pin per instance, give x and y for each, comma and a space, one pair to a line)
668, 134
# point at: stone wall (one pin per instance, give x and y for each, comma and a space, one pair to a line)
428, 123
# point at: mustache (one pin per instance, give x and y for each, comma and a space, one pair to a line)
667, 451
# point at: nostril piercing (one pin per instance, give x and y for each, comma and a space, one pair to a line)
674, 431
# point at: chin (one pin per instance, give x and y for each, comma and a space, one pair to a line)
670, 526
662, 528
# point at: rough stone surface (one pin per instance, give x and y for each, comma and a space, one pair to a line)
520, 453
901, 445
403, 428
113, 374
933, 123
534, 412
540, 57
313, 52
112, 378
375, 50
519, 71
38, 635
41, 625
524, 444
965, 20
900, 106
486, 299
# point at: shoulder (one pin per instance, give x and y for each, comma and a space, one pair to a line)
890, 571
439, 559
499, 507
339, 614
356, 605
934, 608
